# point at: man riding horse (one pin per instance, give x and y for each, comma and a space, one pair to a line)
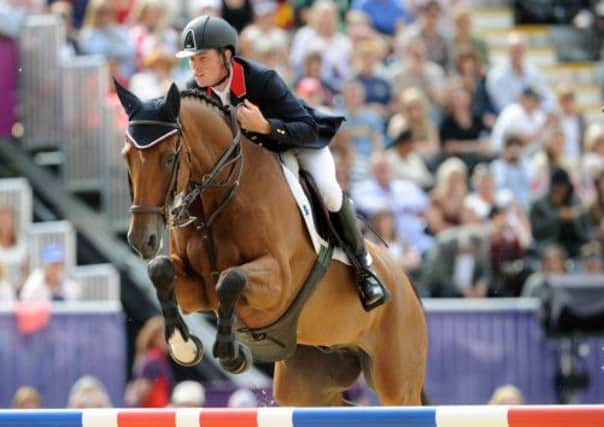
270, 115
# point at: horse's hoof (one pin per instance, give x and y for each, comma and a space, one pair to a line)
239, 364
224, 348
185, 352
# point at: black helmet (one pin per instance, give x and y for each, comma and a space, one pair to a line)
207, 32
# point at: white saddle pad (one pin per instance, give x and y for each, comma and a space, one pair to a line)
290, 170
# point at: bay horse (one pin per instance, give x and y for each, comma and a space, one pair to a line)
238, 247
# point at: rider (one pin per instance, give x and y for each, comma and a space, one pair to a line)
269, 114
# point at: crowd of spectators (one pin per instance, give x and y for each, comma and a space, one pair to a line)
471, 169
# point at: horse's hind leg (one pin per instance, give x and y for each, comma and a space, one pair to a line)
185, 349
396, 362
315, 378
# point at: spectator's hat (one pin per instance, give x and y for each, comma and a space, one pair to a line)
308, 85
532, 92
53, 253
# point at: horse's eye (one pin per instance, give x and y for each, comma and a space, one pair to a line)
170, 159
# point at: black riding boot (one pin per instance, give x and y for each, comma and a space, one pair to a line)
371, 290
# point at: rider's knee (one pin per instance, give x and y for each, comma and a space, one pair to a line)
332, 196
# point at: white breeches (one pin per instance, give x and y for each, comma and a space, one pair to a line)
320, 164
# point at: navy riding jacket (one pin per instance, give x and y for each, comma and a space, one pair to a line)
293, 123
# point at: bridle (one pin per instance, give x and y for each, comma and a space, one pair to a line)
179, 216
164, 208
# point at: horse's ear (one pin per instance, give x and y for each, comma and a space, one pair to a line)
172, 100
129, 101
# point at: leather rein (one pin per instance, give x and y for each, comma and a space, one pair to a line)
179, 215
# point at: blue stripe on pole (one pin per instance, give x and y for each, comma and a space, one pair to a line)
43, 418
364, 417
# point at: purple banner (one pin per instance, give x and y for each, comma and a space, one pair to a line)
8, 85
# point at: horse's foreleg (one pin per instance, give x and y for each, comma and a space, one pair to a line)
233, 356
184, 348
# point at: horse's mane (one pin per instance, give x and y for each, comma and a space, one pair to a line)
208, 100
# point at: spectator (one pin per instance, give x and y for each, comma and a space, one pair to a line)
414, 110
592, 162
446, 209
238, 13
7, 290
507, 395
465, 41
426, 29
405, 162
150, 30
524, 118
554, 260
591, 258
549, 157
152, 381
321, 36
312, 68
188, 394
243, 398
157, 75
507, 253
512, 172
506, 81
368, 54
386, 16
572, 123
13, 248
596, 208
411, 68
404, 198
558, 217
383, 223
358, 26
311, 91
49, 283
474, 80
365, 126
88, 392
458, 265
103, 35
27, 398
205, 7
64, 10
264, 29
461, 132
482, 200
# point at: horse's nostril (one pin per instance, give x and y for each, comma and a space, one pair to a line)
151, 242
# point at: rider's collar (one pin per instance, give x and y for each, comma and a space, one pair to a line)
237, 85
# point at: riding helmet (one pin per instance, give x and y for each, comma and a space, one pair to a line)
207, 32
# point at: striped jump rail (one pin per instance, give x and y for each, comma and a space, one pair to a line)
441, 416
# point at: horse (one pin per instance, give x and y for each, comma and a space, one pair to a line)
238, 247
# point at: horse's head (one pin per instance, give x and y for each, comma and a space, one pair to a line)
152, 153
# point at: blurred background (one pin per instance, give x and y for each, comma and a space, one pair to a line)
474, 145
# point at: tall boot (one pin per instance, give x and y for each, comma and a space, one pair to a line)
371, 290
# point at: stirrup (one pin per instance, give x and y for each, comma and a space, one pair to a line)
367, 274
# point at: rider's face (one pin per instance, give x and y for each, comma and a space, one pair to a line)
207, 67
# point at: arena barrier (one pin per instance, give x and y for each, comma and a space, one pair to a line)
442, 416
